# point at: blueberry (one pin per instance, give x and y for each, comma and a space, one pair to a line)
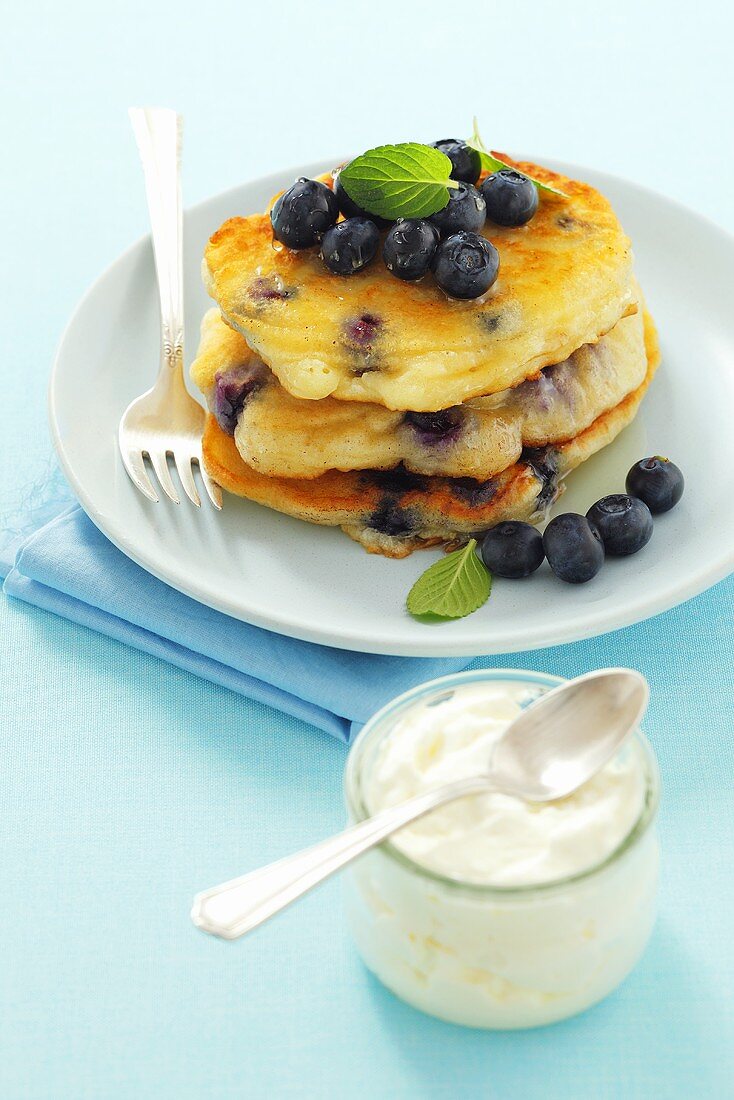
513, 549
231, 391
657, 481
350, 245
471, 492
466, 209
395, 481
466, 164
624, 523
544, 463
437, 427
409, 248
350, 209
573, 547
511, 198
390, 519
270, 289
465, 265
362, 331
303, 213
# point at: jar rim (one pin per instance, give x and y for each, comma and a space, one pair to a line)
379, 725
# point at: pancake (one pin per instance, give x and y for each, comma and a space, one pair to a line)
284, 436
395, 512
564, 281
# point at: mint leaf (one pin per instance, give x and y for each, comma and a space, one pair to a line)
491, 163
399, 181
452, 587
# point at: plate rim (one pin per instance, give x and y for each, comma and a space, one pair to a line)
350, 640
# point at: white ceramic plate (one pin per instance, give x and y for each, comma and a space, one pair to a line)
314, 582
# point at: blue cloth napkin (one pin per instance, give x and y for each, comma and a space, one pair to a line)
68, 566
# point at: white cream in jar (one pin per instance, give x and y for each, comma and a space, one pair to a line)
490, 911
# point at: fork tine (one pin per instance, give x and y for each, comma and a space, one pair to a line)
215, 493
158, 461
133, 463
183, 465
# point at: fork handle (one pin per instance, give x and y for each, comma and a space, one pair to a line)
158, 135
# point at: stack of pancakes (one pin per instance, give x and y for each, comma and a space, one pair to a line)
403, 416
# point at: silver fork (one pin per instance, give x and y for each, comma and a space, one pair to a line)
166, 420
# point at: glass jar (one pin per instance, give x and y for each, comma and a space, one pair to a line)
488, 956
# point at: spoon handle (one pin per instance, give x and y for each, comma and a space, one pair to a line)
238, 906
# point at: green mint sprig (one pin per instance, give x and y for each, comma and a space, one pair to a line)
491, 163
453, 587
399, 181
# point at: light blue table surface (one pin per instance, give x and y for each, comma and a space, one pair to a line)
126, 784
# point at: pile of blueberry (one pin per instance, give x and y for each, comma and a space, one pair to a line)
448, 243
575, 545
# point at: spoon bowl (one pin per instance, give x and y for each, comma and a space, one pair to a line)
567, 735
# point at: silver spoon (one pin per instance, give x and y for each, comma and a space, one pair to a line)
553, 747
